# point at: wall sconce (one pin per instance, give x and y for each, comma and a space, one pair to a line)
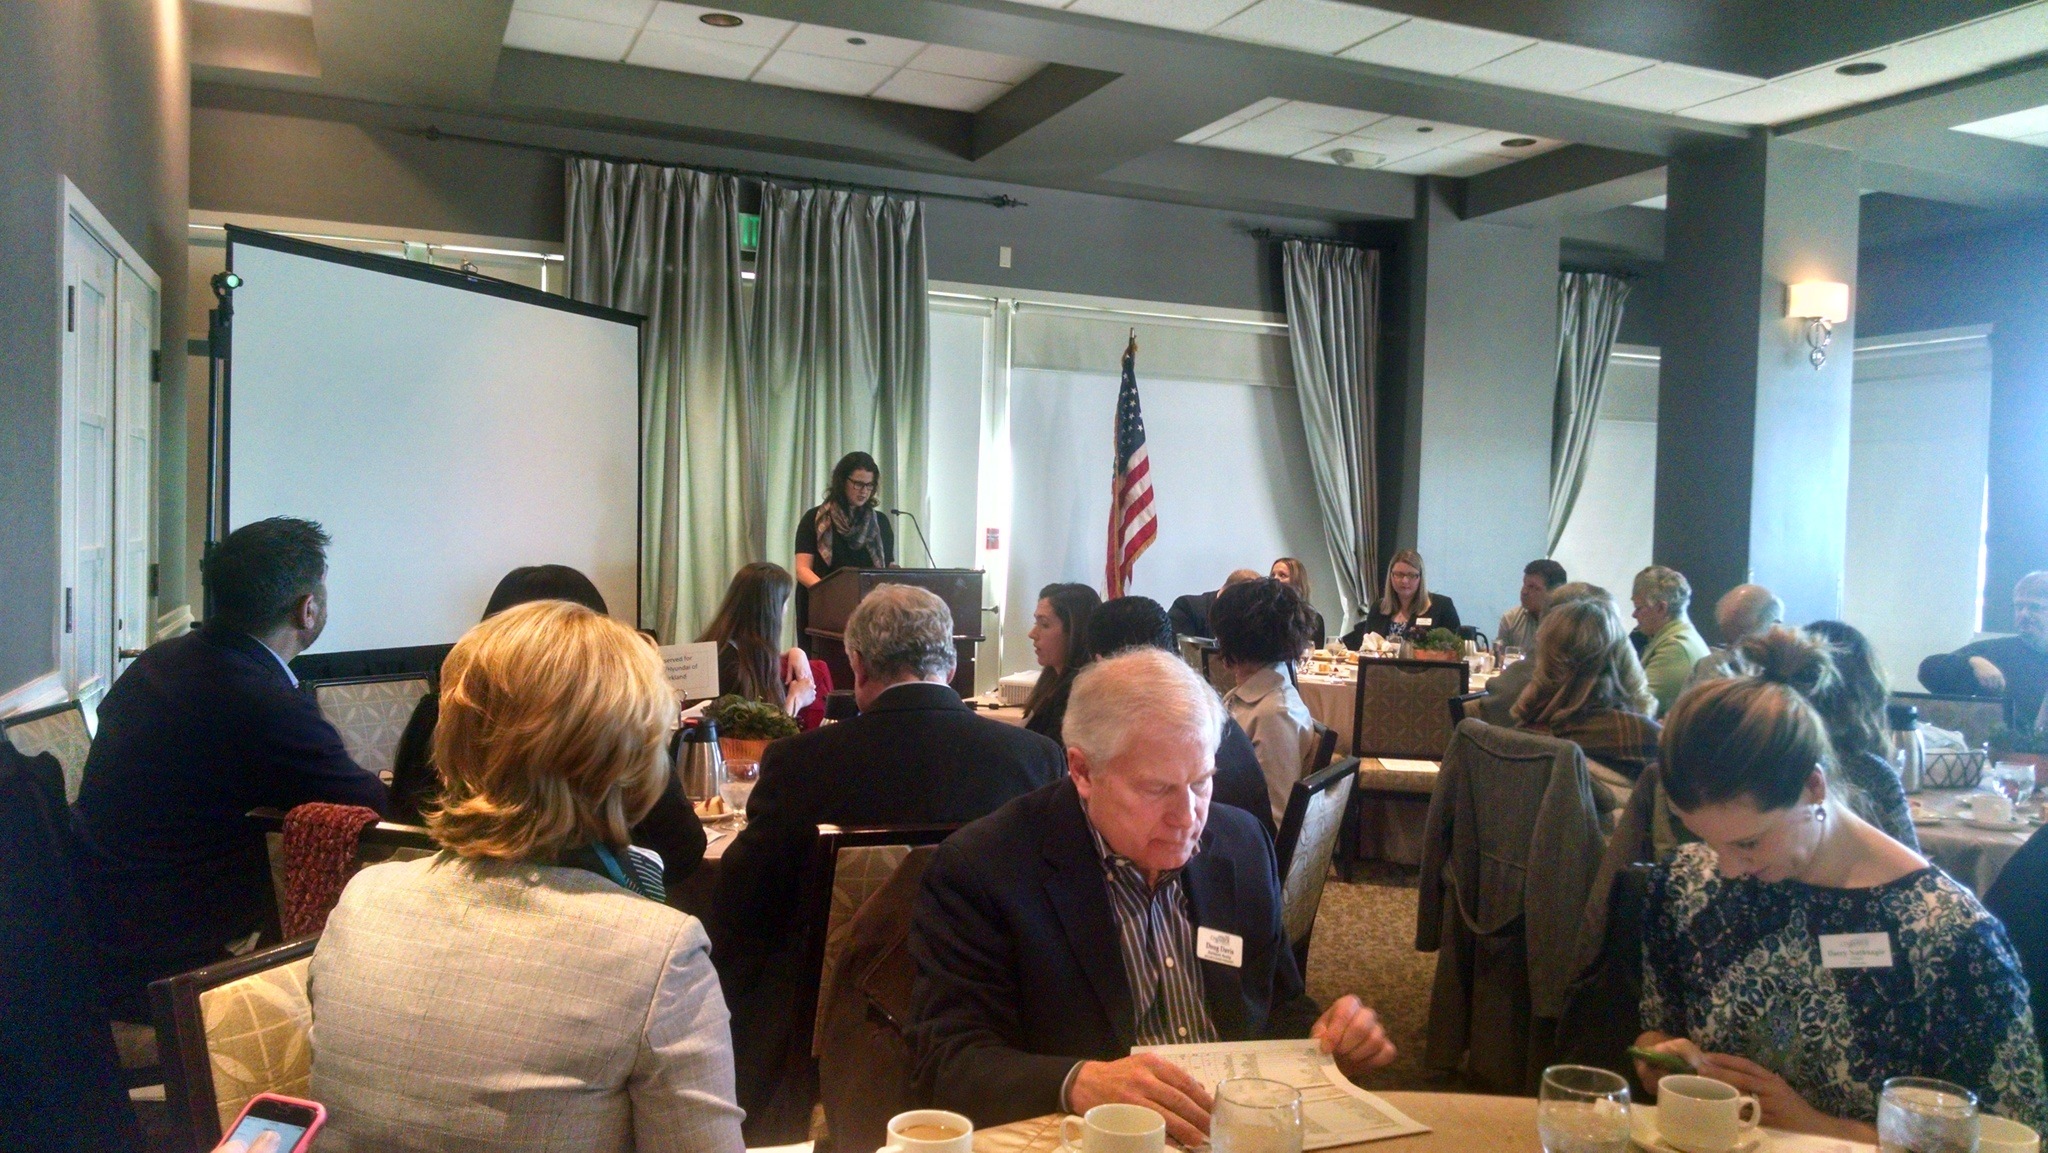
1822, 304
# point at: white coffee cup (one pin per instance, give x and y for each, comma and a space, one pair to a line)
1702, 1115
918, 1132
1114, 1129
1991, 807
1999, 1135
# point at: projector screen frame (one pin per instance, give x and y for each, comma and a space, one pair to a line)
220, 353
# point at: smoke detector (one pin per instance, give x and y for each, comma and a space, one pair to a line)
1353, 158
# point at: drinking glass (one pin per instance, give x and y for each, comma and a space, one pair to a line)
1582, 1110
1254, 1115
739, 784
2015, 780
1510, 655
1922, 1115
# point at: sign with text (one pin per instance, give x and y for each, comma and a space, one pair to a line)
692, 669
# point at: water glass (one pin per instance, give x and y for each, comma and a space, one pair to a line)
1510, 655
739, 784
1922, 1115
1254, 1115
1582, 1110
2015, 780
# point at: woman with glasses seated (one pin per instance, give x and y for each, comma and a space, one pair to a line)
525, 987
1406, 610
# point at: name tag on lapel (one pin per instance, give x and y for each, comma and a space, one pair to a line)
1422, 622
1220, 947
1856, 950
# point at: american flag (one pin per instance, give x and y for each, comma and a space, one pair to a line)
1132, 522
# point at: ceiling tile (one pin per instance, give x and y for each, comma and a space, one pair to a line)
1433, 46
1235, 118
1429, 133
1320, 117
1547, 67
2037, 139
1446, 162
936, 91
1669, 87
1271, 139
1769, 104
1658, 202
1307, 25
949, 61
1980, 44
845, 44
683, 20
629, 13
822, 73
2011, 126
537, 33
1186, 15
1497, 144
692, 54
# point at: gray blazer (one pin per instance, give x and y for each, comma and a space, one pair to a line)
471, 1005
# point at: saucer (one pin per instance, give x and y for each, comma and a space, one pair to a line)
2013, 826
1642, 1126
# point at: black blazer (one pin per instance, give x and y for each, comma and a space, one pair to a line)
1019, 973
919, 755
1442, 615
197, 732
1190, 614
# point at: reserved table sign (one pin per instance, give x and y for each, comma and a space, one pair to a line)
692, 669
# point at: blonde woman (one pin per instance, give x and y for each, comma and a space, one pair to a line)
523, 987
1588, 687
1291, 572
1406, 607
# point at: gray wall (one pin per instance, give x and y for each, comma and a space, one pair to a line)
1988, 277
95, 90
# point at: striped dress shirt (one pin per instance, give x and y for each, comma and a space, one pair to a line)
1157, 939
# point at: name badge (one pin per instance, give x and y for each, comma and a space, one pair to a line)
1422, 622
1220, 947
1856, 950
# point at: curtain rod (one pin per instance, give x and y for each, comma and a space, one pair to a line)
1269, 234
433, 132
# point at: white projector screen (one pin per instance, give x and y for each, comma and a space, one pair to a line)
444, 429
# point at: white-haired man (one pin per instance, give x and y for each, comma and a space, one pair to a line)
916, 754
1116, 908
1742, 612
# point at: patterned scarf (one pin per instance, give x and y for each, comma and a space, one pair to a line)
860, 528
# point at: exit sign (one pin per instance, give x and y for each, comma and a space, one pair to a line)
993, 539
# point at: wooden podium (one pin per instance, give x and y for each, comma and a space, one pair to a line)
832, 600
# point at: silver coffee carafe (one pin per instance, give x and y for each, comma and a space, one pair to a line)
699, 764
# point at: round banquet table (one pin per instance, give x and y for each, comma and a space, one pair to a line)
1971, 855
1457, 1121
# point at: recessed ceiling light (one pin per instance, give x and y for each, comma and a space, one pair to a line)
856, 40
1518, 142
1861, 68
721, 19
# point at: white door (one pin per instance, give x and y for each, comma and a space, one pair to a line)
86, 640
134, 475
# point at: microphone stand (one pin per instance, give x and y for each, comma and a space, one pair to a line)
920, 534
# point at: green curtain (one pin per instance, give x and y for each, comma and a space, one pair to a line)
840, 362
1589, 307
665, 243
1333, 332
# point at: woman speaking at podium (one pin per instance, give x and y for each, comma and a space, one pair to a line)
847, 531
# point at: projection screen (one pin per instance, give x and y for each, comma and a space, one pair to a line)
444, 428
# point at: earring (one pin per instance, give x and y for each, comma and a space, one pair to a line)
1820, 813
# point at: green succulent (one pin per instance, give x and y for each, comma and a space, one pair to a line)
2008, 740
1441, 641
750, 720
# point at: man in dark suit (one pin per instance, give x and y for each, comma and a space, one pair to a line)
1190, 613
916, 754
1116, 908
198, 731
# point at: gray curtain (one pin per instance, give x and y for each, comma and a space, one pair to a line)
840, 362
665, 243
1333, 331
1589, 307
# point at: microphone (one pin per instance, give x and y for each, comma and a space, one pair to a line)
920, 534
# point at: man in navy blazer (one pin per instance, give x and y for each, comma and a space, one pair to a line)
198, 731
1115, 908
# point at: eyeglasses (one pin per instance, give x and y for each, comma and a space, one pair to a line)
861, 486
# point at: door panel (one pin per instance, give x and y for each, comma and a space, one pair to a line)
134, 484
86, 643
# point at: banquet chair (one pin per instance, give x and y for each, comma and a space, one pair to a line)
61, 730
1320, 750
376, 844
231, 1030
1466, 705
866, 1071
370, 713
1398, 712
1307, 841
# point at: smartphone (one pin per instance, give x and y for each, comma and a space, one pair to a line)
294, 1121
1669, 1062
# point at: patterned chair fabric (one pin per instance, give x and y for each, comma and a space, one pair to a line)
1310, 841
60, 731
858, 873
1400, 710
257, 1037
371, 714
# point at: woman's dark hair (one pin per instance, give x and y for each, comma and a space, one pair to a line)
1073, 604
1260, 622
750, 620
1755, 735
1853, 706
849, 464
1128, 623
545, 582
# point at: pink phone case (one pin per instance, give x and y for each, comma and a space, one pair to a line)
305, 1141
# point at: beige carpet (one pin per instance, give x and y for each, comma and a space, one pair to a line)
1365, 944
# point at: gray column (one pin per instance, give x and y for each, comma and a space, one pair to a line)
1481, 379
1752, 440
